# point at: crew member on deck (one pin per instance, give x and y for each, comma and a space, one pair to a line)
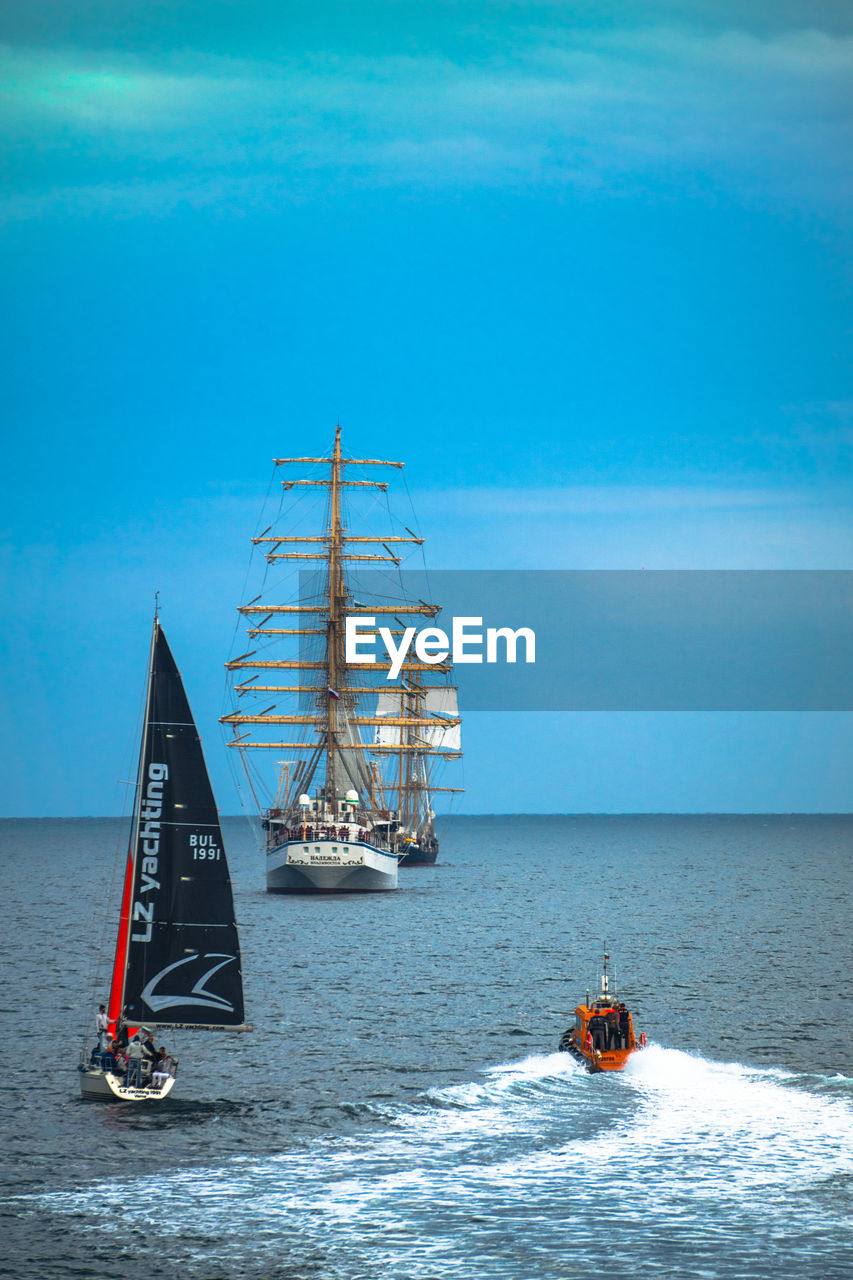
102, 1024
135, 1055
163, 1068
108, 1058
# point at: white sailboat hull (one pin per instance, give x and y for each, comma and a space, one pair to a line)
329, 866
103, 1084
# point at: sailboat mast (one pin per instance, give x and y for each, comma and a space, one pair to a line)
119, 978
336, 607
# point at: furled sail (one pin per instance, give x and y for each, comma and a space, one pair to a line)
181, 951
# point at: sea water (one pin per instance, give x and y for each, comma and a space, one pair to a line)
399, 1109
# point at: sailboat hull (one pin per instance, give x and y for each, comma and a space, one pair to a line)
326, 866
111, 1088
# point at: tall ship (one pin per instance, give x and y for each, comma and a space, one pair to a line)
353, 799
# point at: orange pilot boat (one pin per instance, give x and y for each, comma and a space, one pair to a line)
602, 1037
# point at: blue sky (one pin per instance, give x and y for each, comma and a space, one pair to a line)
584, 268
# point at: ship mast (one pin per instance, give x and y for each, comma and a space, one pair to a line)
336, 610
336, 718
115, 1007
403, 763
410, 761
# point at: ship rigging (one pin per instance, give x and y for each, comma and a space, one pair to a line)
357, 798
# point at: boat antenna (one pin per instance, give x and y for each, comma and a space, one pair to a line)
604, 990
156, 605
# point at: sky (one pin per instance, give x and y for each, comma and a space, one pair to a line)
585, 268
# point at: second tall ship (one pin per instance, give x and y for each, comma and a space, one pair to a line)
355, 801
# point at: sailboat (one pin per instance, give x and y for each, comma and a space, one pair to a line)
177, 956
357, 800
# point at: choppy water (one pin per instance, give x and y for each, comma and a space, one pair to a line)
399, 1110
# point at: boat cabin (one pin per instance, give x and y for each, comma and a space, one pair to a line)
602, 1036
609, 1026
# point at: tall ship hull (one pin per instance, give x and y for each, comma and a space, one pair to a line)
327, 866
365, 734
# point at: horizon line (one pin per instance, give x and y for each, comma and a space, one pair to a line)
587, 813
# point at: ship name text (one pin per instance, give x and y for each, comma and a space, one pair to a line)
150, 811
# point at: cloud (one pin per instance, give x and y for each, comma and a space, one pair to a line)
639, 526
622, 108
571, 500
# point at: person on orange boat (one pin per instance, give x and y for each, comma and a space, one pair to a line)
642, 1040
598, 1027
587, 1044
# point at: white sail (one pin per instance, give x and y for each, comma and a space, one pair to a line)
435, 701
443, 702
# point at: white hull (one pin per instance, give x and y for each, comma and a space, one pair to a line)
103, 1084
330, 866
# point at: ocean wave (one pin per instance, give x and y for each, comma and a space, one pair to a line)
676, 1144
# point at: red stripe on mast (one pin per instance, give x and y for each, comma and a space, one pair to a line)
117, 987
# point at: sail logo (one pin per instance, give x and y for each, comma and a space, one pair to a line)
148, 849
432, 644
198, 994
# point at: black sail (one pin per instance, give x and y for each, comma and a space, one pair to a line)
183, 954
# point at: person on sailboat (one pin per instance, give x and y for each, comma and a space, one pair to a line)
135, 1056
102, 1025
108, 1059
164, 1067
